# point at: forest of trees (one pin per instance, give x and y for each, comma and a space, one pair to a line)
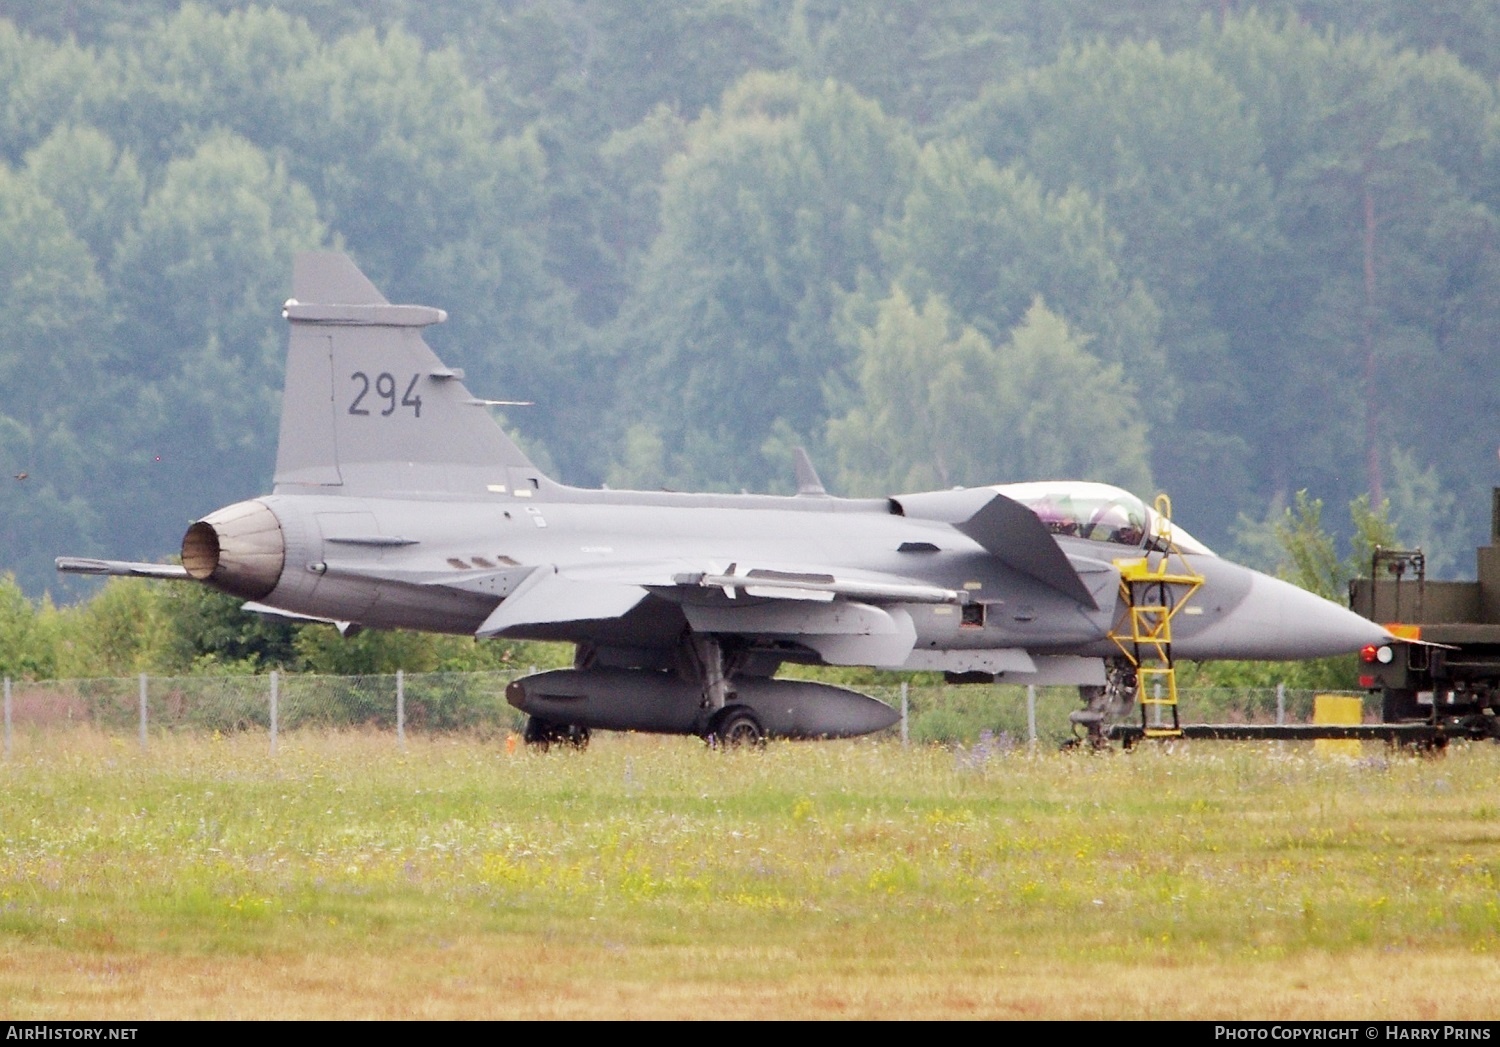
1225, 249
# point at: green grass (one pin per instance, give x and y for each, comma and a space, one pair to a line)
653, 877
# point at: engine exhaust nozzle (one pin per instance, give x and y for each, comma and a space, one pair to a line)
238, 550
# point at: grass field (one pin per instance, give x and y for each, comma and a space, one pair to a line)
650, 877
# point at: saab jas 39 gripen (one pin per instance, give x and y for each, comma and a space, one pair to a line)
399, 502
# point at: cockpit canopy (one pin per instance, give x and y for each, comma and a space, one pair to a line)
1100, 513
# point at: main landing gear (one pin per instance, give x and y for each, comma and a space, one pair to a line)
697, 697
730, 725
544, 734
735, 727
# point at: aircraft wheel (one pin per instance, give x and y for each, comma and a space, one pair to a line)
736, 726
546, 733
538, 732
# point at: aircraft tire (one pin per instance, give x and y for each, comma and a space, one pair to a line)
543, 734
540, 733
736, 727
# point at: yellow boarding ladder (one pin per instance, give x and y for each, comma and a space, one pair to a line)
1153, 594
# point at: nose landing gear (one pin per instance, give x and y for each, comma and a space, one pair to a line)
1105, 705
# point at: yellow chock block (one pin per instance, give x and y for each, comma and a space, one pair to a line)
1338, 708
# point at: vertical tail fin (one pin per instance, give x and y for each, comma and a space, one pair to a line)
368, 408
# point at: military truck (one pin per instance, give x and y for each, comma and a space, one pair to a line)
1445, 669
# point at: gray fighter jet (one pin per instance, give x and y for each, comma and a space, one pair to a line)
400, 503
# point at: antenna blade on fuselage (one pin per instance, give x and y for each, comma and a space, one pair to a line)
808, 483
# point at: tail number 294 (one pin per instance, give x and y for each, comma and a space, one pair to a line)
384, 385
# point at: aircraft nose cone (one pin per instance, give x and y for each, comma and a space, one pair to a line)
1277, 620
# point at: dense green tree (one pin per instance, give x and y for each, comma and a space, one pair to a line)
26, 649
209, 260
42, 84
50, 363
1277, 216
1165, 144
991, 240
1382, 163
199, 72
631, 163
197, 367
50, 296
98, 186
939, 405
917, 59
1048, 27
1469, 29
206, 631
1162, 140
120, 631
320, 649
130, 626
90, 21
768, 218
641, 461
1294, 542
397, 145
580, 71
1424, 513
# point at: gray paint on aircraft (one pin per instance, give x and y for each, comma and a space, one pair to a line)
400, 503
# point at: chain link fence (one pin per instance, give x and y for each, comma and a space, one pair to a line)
275, 703
475, 702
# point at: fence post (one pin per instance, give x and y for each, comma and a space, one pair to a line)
143, 712
905, 735
401, 708
7, 717
275, 704
1280, 704
1031, 715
